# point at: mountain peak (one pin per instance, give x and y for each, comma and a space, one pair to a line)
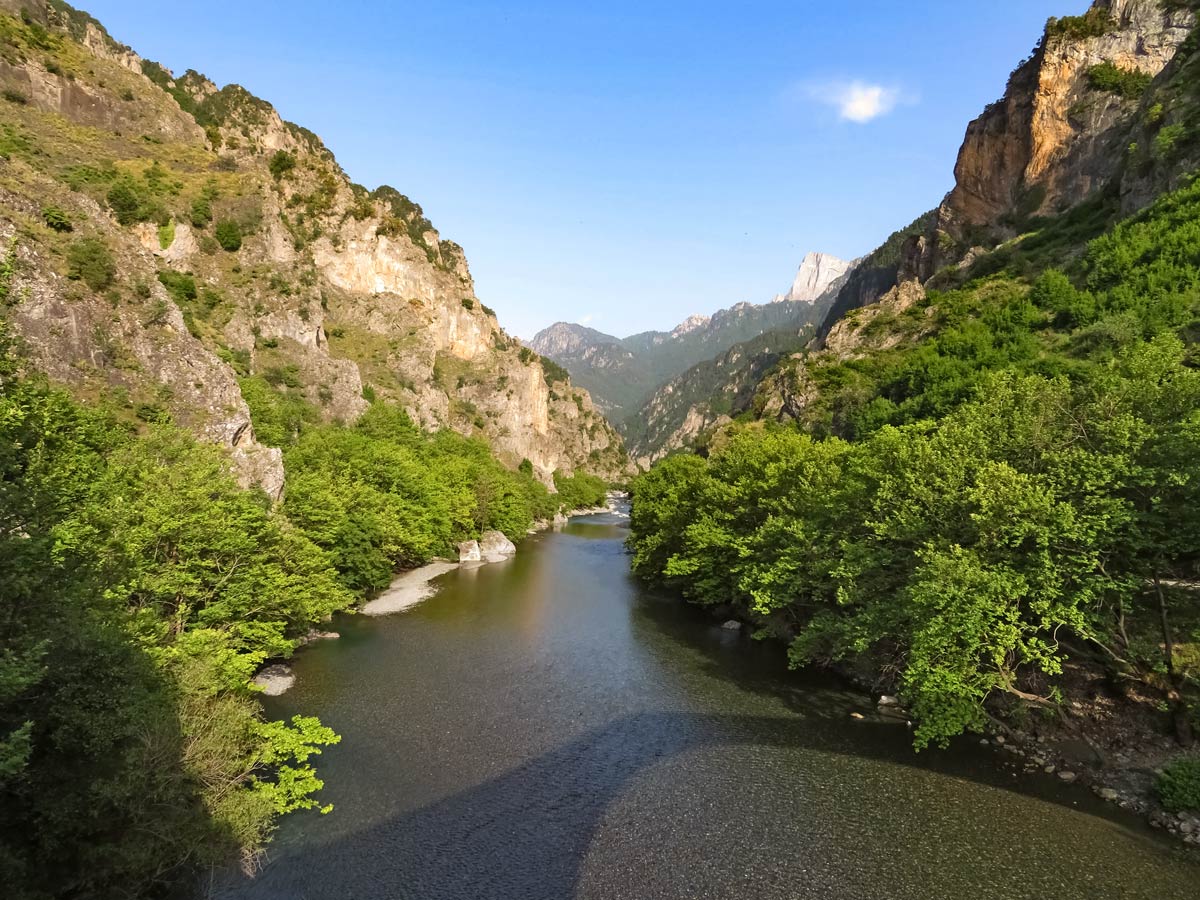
816, 273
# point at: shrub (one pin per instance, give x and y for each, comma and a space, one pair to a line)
166, 235
125, 201
1094, 23
229, 235
180, 285
281, 163
15, 97
57, 218
1128, 83
1166, 142
468, 303
89, 261
1179, 785
201, 212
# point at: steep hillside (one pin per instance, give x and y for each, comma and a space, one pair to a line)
181, 248
987, 499
1098, 121
707, 396
623, 373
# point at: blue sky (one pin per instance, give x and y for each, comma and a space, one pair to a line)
623, 164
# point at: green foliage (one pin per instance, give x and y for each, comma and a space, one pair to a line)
125, 201
180, 285
229, 235
281, 163
90, 261
1096, 22
468, 303
1178, 787
57, 219
579, 491
201, 212
1169, 140
553, 371
166, 235
143, 589
8, 269
382, 495
955, 507
1128, 83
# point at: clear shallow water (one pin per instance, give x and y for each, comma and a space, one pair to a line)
545, 728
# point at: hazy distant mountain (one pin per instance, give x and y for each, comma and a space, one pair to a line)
623, 373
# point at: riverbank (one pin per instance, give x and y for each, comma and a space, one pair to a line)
1114, 741
415, 586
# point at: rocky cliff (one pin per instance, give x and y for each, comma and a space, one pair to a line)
172, 239
1057, 136
1100, 119
817, 272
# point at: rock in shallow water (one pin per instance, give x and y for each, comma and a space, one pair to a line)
275, 680
495, 547
732, 625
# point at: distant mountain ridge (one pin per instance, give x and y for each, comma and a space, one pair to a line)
623, 373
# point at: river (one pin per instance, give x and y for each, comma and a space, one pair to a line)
546, 728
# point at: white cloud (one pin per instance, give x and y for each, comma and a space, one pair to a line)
587, 320
857, 101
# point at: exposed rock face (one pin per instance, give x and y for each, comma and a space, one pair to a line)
1057, 138
854, 336
335, 292
818, 271
1054, 139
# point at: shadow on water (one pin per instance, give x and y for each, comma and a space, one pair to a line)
527, 833
720, 798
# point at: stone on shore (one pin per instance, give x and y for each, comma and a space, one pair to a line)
468, 551
275, 680
495, 547
732, 625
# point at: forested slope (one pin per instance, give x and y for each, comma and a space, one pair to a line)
991, 472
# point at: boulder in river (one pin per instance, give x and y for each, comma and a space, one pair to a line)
468, 551
887, 700
275, 680
495, 547
732, 625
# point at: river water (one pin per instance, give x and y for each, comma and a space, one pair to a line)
546, 728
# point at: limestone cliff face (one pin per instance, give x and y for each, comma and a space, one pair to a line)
331, 292
1059, 136
1054, 138
817, 272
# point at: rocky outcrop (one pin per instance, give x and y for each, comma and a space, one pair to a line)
1055, 138
817, 273
331, 293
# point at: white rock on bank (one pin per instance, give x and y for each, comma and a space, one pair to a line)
495, 547
468, 551
275, 680
732, 625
